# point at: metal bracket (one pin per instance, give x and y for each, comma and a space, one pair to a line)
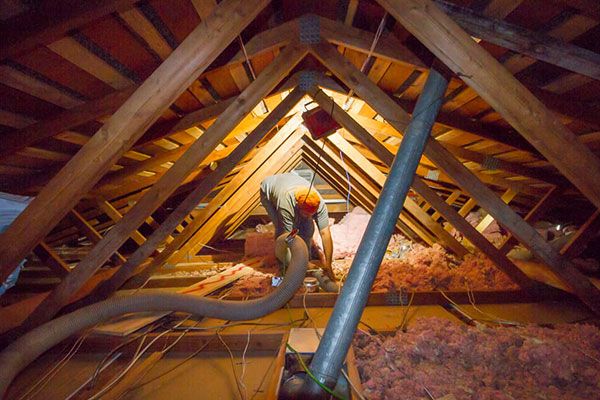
398, 298
310, 29
490, 163
307, 79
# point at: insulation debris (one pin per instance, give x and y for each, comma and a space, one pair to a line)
528, 362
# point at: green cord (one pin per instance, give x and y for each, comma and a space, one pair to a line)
310, 374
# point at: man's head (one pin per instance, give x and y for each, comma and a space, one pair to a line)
307, 201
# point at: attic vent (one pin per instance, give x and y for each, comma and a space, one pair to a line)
310, 29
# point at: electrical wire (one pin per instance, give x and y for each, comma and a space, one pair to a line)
349, 184
47, 377
138, 355
243, 373
232, 360
370, 53
84, 384
404, 320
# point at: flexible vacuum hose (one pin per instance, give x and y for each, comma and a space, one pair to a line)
34, 343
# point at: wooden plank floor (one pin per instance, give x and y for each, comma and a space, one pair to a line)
209, 375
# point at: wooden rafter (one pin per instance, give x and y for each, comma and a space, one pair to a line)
399, 119
161, 190
536, 45
326, 159
501, 90
50, 20
190, 241
122, 130
189, 203
444, 237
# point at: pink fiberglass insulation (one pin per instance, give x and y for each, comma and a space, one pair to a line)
348, 233
259, 244
480, 363
432, 268
259, 282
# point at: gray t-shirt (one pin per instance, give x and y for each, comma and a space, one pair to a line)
277, 196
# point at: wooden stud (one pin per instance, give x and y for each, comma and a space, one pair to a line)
123, 129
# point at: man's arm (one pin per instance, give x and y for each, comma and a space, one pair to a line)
328, 248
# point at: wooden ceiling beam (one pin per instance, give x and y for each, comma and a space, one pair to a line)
502, 91
399, 119
49, 20
123, 129
521, 40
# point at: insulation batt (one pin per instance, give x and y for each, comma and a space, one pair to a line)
480, 363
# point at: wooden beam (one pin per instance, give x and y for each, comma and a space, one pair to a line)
191, 201
116, 216
244, 184
578, 243
534, 215
49, 257
461, 225
49, 20
488, 219
502, 91
65, 120
281, 142
450, 201
123, 129
325, 160
521, 40
413, 208
388, 47
399, 119
161, 190
92, 234
428, 194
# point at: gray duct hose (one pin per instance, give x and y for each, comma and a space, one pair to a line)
325, 283
34, 343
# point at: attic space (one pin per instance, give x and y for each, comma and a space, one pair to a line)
279, 199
